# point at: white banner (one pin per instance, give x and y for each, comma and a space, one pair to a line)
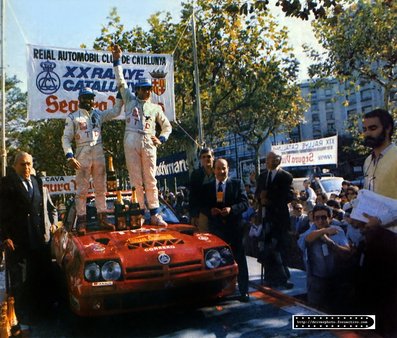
62, 184
55, 76
313, 152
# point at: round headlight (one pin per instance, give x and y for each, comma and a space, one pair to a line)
213, 259
111, 270
92, 272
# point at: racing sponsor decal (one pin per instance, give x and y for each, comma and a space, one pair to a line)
157, 248
96, 247
149, 238
107, 283
203, 238
83, 125
163, 258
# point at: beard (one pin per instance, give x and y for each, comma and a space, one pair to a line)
85, 105
375, 142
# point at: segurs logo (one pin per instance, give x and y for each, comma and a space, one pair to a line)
47, 81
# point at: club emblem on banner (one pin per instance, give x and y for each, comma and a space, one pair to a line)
48, 81
158, 82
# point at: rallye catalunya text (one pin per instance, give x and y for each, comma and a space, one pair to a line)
100, 79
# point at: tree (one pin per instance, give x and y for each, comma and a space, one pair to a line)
296, 8
360, 44
247, 70
15, 118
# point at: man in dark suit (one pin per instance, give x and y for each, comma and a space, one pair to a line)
299, 224
274, 191
224, 201
299, 220
23, 235
200, 176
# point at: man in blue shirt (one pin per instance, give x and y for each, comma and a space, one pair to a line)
326, 252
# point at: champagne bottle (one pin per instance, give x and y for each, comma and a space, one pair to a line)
135, 211
111, 176
120, 212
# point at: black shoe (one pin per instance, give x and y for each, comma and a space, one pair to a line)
245, 298
287, 285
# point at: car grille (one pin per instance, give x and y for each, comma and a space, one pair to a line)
157, 298
158, 271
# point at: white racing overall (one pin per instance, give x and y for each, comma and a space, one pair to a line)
140, 152
85, 129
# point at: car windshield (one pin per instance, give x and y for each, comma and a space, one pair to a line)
165, 211
332, 185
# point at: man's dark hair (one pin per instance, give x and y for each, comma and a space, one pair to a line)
322, 208
385, 118
206, 150
333, 204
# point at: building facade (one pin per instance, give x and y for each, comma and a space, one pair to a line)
332, 105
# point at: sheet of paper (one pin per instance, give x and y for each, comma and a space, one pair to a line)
374, 204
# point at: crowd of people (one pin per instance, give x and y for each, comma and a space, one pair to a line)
351, 265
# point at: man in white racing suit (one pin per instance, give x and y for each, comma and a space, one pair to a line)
84, 127
140, 141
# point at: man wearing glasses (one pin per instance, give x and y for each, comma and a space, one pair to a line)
324, 245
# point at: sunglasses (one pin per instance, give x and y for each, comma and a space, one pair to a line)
206, 156
320, 218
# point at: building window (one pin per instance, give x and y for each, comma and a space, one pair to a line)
315, 118
313, 94
314, 106
329, 105
330, 115
352, 99
366, 95
328, 92
331, 127
367, 109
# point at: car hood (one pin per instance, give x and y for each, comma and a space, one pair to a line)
137, 246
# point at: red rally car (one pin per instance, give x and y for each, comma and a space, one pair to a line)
110, 272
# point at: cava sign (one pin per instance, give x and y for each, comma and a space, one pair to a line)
62, 184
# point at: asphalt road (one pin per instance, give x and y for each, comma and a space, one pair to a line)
268, 314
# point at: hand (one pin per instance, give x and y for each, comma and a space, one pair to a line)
215, 212
263, 197
8, 244
116, 52
53, 228
155, 141
330, 231
73, 163
372, 221
328, 240
195, 221
225, 211
253, 177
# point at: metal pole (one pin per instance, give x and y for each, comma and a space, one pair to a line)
197, 82
3, 153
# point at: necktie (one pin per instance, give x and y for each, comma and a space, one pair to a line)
30, 189
269, 179
220, 187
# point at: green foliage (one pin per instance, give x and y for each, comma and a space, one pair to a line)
361, 44
295, 8
247, 70
247, 78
